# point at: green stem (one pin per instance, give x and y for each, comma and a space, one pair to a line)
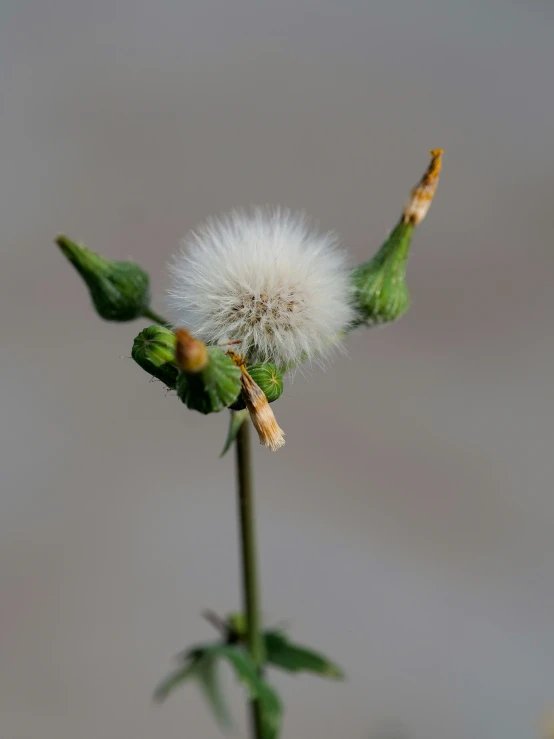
153, 316
251, 605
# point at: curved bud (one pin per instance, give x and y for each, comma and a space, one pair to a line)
212, 388
191, 354
119, 290
154, 351
379, 285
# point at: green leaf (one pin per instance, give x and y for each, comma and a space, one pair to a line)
236, 421
280, 652
272, 712
175, 679
208, 678
257, 688
199, 663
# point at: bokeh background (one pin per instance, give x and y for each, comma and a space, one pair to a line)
407, 526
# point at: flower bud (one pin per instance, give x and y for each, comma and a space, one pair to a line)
380, 290
154, 351
268, 377
119, 290
191, 354
214, 387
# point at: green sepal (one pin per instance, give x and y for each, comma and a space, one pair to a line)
154, 351
213, 388
380, 290
119, 290
237, 418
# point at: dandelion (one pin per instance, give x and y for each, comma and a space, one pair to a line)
253, 294
266, 281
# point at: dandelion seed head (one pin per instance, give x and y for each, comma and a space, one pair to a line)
266, 279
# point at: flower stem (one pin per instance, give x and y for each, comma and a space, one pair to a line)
153, 316
251, 605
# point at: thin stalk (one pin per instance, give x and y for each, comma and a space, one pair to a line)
249, 564
153, 316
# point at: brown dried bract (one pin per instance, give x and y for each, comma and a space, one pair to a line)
422, 194
271, 436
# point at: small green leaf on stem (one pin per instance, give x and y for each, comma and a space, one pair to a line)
280, 652
201, 662
201, 665
258, 688
208, 678
236, 420
176, 678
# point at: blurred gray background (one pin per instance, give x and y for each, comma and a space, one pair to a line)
408, 525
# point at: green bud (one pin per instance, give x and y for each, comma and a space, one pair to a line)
154, 351
268, 378
214, 387
380, 291
236, 624
119, 290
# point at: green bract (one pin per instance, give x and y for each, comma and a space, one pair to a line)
119, 290
213, 388
154, 351
380, 290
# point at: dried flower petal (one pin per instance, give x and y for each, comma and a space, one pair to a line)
422, 194
271, 436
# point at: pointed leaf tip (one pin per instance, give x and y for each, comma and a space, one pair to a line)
174, 680
281, 652
201, 664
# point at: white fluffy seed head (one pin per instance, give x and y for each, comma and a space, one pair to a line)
265, 279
